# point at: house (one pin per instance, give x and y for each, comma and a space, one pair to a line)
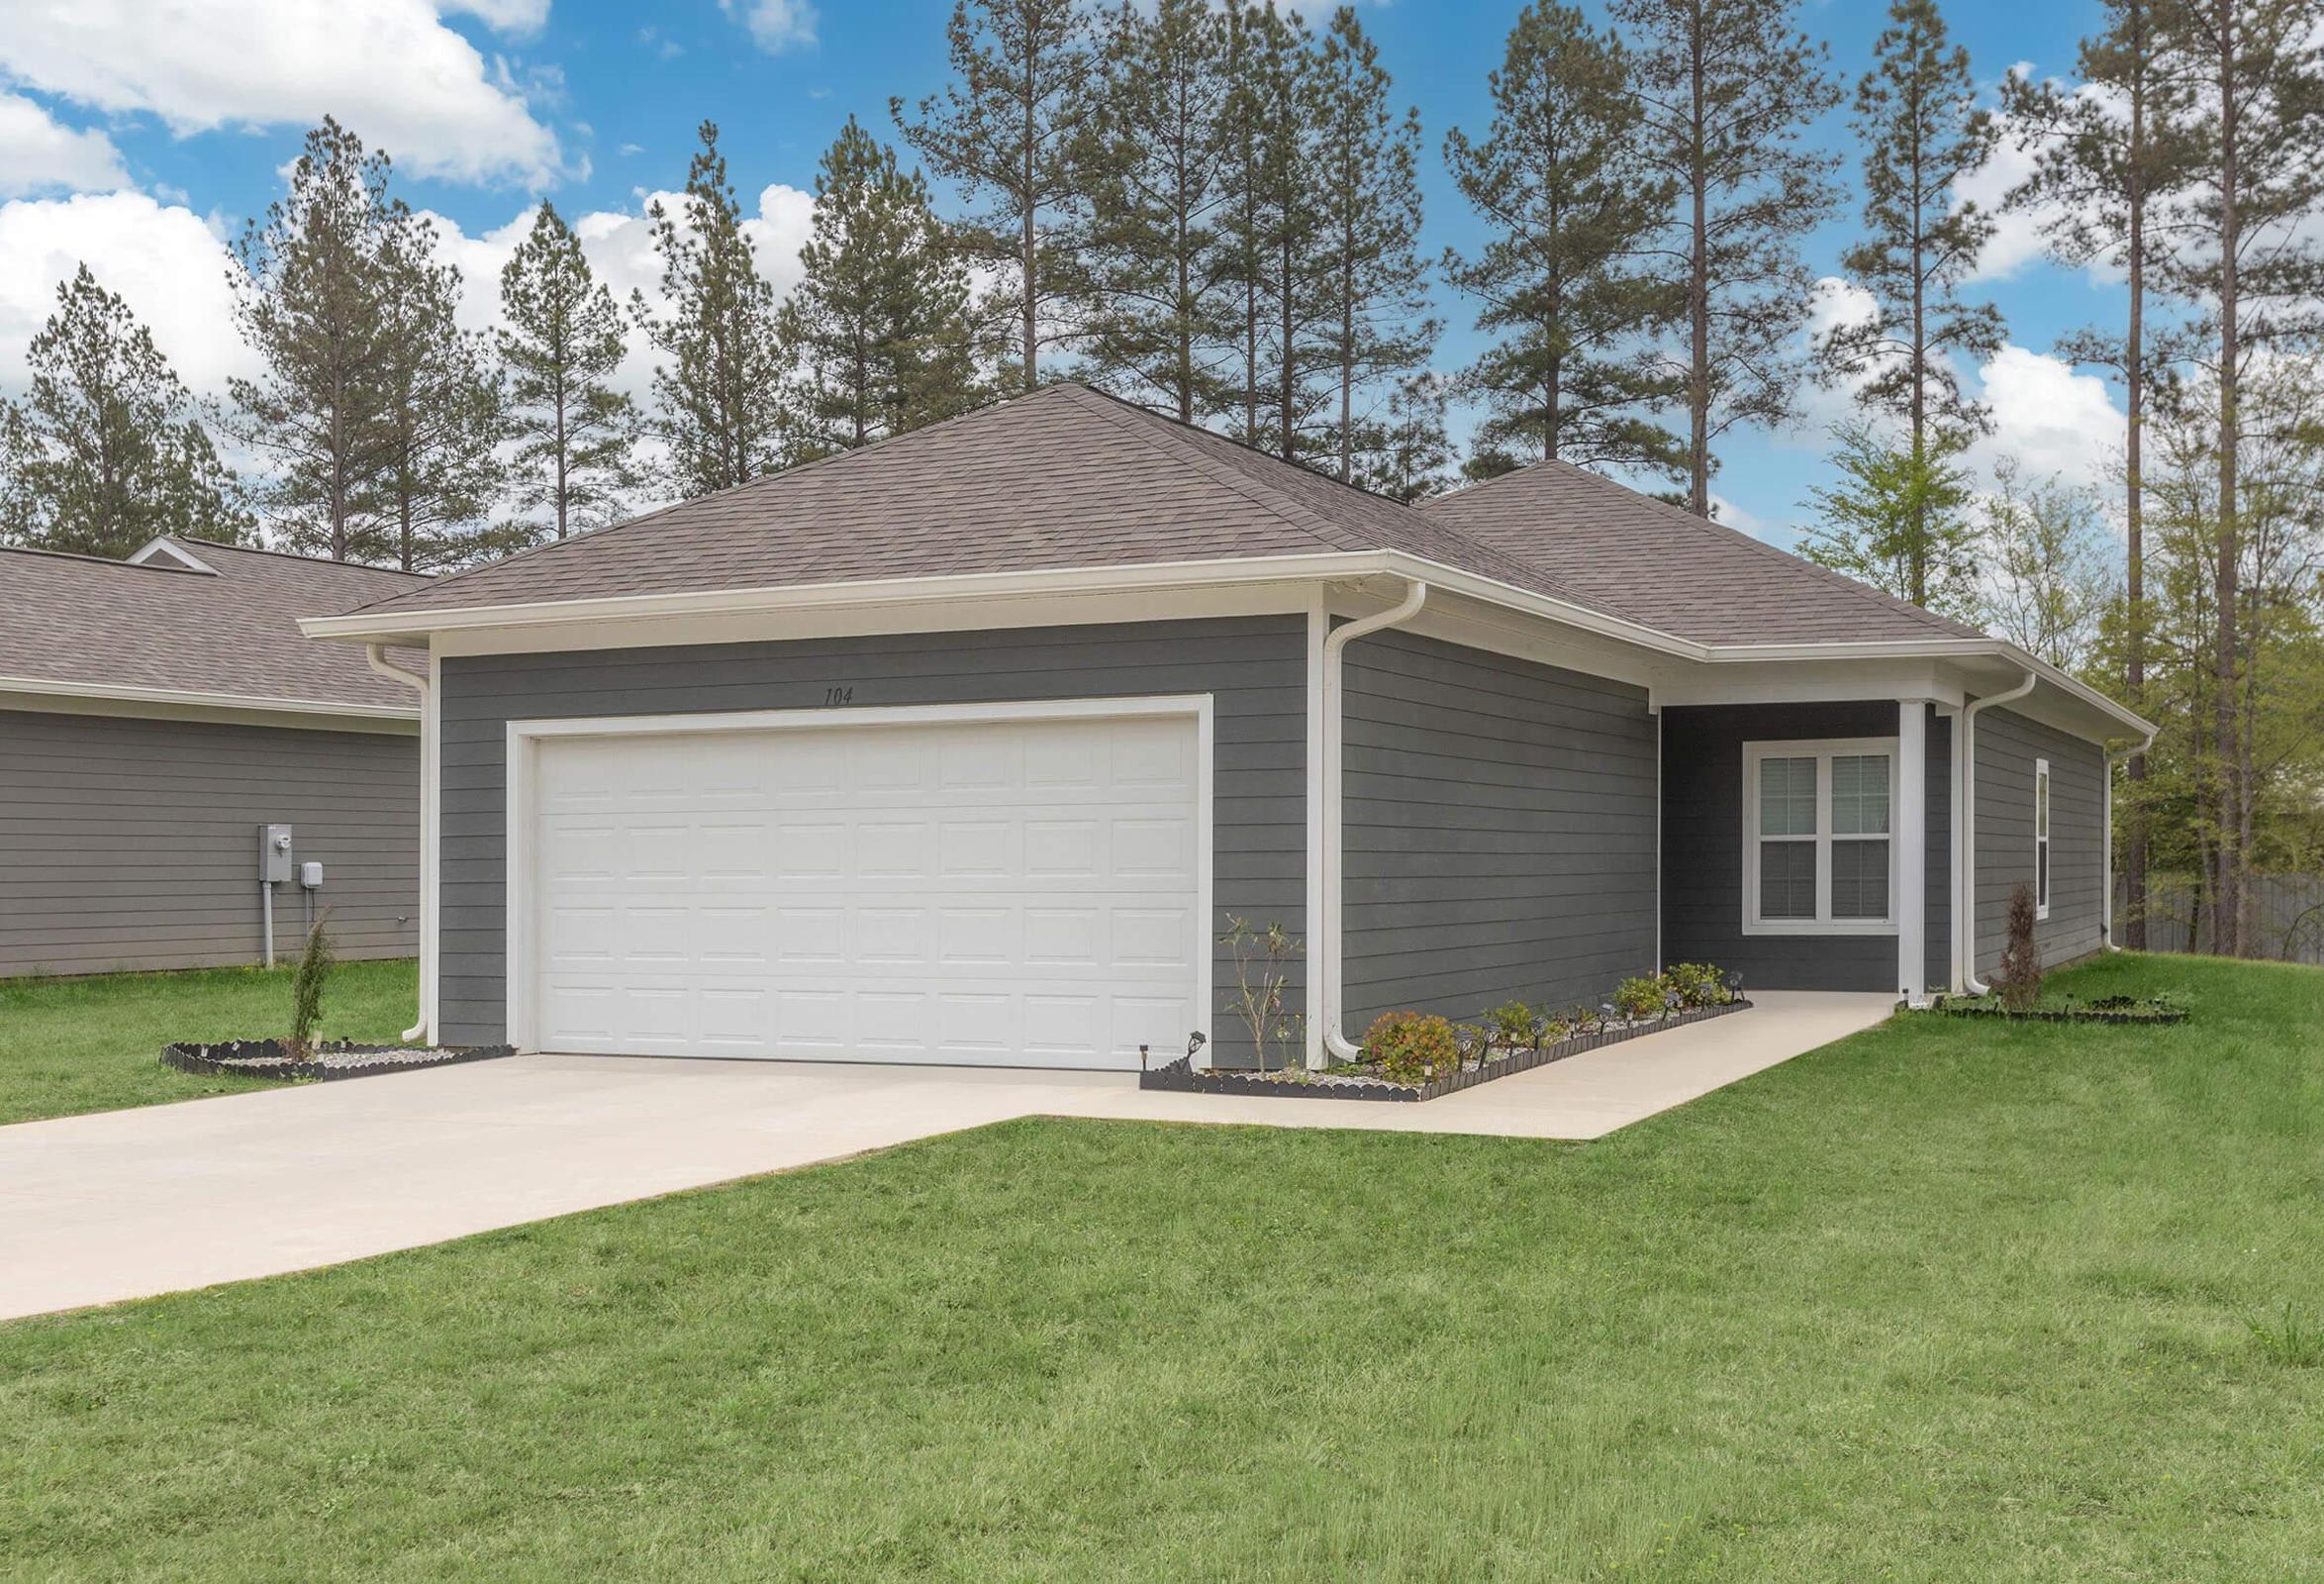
967, 745
155, 713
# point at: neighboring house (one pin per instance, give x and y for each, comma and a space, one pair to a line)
966, 747
154, 714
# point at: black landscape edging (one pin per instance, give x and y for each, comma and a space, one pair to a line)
263, 1058
1183, 1077
2160, 1017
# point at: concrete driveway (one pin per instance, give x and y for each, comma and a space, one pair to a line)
126, 1204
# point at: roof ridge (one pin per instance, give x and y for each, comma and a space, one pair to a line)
1722, 531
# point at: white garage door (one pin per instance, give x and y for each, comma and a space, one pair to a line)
1009, 892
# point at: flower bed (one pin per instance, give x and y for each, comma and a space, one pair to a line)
1482, 1063
2106, 1009
269, 1058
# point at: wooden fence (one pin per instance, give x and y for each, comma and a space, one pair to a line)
2288, 912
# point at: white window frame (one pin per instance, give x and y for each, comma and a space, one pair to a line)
2045, 857
1823, 750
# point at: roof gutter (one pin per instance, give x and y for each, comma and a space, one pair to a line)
1965, 902
376, 657
1334, 974
2107, 836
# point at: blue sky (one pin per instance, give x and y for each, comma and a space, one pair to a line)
138, 143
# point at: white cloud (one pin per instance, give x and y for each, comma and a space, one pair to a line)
37, 154
1725, 511
388, 69
519, 19
2017, 236
2050, 418
775, 24
162, 260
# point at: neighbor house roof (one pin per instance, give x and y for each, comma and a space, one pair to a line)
224, 628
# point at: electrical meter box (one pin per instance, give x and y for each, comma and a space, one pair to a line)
274, 853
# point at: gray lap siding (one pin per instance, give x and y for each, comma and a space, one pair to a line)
1499, 820
1253, 668
2007, 746
133, 844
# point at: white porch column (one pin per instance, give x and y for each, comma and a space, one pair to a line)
1911, 839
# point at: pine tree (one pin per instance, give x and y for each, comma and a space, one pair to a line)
1916, 115
1372, 294
2248, 250
311, 291
718, 394
1405, 454
1569, 207
2107, 167
561, 343
445, 417
1153, 162
880, 318
1726, 88
1005, 130
103, 453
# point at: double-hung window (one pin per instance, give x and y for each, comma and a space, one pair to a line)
1819, 856
2041, 838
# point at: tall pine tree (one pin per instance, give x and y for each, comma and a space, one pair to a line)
1922, 133
1726, 88
1373, 329
718, 393
561, 343
103, 453
1570, 208
1005, 129
1153, 162
443, 419
2108, 167
878, 322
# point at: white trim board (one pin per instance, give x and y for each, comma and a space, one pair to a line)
525, 736
50, 696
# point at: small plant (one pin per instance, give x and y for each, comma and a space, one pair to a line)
1640, 1000
1413, 1048
2289, 1341
315, 966
1513, 1023
1261, 969
1697, 984
2017, 979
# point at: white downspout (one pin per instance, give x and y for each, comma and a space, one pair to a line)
376, 657
1335, 1044
1965, 905
2106, 896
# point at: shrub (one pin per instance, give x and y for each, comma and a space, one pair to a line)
1697, 984
2018, 980
1513, 1022
1262, 960
1412, 1048
315, 966
1641, 999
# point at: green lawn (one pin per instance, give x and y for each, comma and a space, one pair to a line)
1951, 1302
69, 1045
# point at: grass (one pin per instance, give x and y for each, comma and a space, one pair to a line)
1950, 1300
69, 1046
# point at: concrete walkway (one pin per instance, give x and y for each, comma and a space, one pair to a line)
126, 1204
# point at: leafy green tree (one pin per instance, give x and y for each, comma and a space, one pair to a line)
2107, 165
1373, 330
1005, 130
1725, 89
1569, 205
1922, 133
1896, 519
718, 394
103, 453
2047, 565
561, 343
311, 286
1153, 162
878, 322
443, 418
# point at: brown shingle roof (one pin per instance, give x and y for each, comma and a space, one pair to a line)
1699, 580
83, 619
1067, 477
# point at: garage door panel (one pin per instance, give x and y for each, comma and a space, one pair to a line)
1003, 892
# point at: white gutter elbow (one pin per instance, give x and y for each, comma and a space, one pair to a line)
1965, 902
1333, 975
376, 657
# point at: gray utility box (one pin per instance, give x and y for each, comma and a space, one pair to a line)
274, 855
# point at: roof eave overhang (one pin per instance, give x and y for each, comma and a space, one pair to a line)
416, 626
129, 693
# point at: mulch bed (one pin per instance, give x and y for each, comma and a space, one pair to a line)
1184, 1077
2111, 1009
266, 1059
